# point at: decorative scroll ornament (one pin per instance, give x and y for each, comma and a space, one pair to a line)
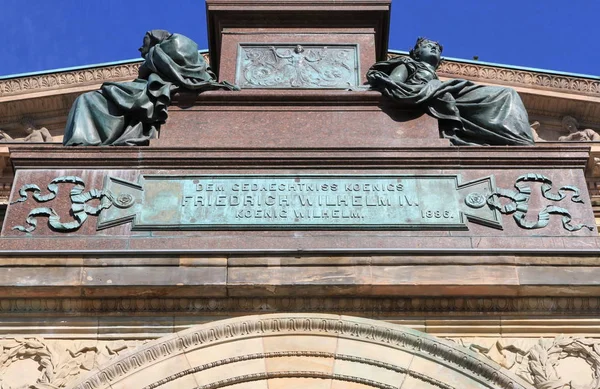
520, 203
79, 205
286, 66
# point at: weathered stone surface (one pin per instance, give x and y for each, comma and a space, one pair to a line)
557, 361
452, 273
37, 362
319, 347
61, 362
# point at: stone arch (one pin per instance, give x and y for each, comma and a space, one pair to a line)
308, 351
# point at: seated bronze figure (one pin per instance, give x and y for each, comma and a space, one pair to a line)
130, 113
469, 114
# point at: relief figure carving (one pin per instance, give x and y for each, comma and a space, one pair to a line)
34, 134
561, 362
297, 67
570, 124
535, 127
37, 363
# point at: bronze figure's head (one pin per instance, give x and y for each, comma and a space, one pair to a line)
152, 38
428, 51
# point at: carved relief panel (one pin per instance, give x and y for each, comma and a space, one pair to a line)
297, 66
37, 363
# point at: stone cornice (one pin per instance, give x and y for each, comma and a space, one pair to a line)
57, 157
20, 86
525, 78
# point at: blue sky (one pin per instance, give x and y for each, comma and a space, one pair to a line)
557, 35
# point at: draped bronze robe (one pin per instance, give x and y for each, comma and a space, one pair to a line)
469, 114
130, 113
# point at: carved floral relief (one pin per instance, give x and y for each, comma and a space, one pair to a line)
36, 363
546, 363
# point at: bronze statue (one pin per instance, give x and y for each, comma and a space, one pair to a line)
130, 113
571, 124
34, 134
469, 114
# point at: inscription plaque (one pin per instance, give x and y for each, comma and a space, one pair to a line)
300, 201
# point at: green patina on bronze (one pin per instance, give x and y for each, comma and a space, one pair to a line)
519, 203
300, 201
130, 113
305, 66
469, 114
163, 202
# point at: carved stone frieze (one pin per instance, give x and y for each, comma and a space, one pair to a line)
357, 305
519, 77
573, 134
562, 362
49, 364
30, 133
52, 81
448, 68
51, 95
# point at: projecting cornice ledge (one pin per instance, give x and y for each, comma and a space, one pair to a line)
190, 275
523, 78
546, 155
